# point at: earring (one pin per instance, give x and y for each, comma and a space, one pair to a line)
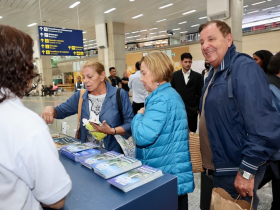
157, 83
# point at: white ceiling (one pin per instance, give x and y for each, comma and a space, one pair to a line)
56, 13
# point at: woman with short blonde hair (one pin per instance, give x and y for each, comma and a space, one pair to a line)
160, 130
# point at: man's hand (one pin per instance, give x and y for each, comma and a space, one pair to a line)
48, 114
244, 186
142, 111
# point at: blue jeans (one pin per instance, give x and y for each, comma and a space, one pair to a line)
227, 183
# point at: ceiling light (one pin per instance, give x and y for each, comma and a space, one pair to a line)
195, 25
143, 30
126, 33
139, 39
189, 12
160, 20
153, 33
129, 37
268, 8
245, 6
162, 35
252, 12
84, 39
137, 36
278, 6
183, 32
1, 17
131, 0
162, 31
261, 22
137, 16
85, 45
259, 2
84, 32
182, 22
202, 17
110, 10
32, 24
134, 32
153, 29
176, 29
145, 38
75, 4
167, 5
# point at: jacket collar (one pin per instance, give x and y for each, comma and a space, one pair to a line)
159, 89
106, 104
226, 61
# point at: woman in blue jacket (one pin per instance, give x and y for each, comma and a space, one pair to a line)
160, 130
99, 101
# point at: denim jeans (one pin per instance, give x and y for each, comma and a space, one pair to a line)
227, 183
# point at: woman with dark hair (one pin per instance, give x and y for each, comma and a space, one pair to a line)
272, 172
262, 57
31, 174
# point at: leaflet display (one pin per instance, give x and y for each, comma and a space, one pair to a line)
60, 41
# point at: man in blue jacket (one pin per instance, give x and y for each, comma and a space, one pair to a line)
239, 127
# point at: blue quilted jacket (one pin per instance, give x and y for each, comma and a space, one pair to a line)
161, 136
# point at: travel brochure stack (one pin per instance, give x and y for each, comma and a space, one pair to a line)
128, 172
80, 151
100, 158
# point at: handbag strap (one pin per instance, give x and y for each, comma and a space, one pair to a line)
119, 102
82, 91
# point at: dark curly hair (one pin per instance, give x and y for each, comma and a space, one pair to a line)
16, 62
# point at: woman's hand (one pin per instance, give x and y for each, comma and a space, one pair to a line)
142, 111
48, 114
105, 128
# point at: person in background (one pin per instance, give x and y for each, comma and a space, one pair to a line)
138, 89
79, 84
160, 130
100, 103
125, 82
272, 170
239, 127
262, 57
188, 84
115, 80
205, 72
31, 175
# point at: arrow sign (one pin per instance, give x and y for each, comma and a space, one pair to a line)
41, 28
41, 34
69, 47
74, 53
42, 46
43, 51
42, 40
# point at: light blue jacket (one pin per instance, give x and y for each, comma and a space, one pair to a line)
109, 112
161, 136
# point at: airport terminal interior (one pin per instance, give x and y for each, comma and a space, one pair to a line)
120, 32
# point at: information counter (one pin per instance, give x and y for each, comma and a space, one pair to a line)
90, 191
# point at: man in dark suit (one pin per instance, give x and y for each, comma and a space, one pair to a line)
205, 72
188, 84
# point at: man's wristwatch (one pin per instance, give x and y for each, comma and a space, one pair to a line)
246, 174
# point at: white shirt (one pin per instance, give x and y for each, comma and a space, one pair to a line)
95, 106
30, 171
186, 76
139, 92
206, 74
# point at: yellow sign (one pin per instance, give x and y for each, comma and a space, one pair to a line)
42, 46
48, 52
47, 46
43, 51
47, 40
73, 48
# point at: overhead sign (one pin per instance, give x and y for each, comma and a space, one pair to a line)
60, 41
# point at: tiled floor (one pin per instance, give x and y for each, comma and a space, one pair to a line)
37, 104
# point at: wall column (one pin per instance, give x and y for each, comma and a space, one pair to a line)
44, 65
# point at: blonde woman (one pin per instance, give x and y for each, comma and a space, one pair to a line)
98, 100
160, 130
